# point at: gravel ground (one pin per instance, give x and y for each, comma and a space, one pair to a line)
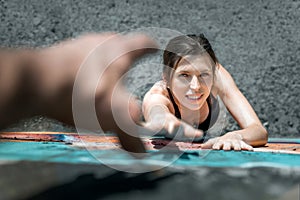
100, 182
257, 41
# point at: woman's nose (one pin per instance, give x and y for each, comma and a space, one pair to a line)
195, 83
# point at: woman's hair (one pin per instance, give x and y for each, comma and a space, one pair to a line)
182, 46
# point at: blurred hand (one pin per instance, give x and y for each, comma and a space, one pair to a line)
97, 62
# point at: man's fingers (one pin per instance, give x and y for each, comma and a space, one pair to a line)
129, 49
120, 113
139, 44
127, 132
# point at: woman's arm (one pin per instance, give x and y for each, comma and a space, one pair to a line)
159, 115
252, 132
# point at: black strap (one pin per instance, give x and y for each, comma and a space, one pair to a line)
177, 112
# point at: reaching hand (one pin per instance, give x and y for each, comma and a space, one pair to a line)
111, 58
46, 78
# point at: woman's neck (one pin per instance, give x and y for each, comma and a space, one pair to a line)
194, 117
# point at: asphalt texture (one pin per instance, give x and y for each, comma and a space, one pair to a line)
256, 41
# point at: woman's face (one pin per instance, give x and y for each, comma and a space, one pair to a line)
192, 81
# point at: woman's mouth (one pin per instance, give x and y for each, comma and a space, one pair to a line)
194, 97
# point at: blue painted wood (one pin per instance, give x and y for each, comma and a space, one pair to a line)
60, 152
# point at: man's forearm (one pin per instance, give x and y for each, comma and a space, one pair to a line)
16, 85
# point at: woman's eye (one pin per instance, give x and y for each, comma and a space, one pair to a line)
183, 75
204, 75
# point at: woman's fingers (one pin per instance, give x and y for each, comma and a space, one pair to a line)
175, 129
236, 146
227, 145
172, 126
209, 144
182, 131
245, 146
220, 143
191, 132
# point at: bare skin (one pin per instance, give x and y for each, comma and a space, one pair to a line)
40, 81
159, 112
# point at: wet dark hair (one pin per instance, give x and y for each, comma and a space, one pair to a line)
185, 45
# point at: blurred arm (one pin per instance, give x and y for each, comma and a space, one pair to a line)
16, 91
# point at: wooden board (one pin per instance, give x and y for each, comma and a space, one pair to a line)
105, 149
101, 141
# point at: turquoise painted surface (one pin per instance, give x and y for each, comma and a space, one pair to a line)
284, 140
60, 152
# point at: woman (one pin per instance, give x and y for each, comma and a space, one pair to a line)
186, 98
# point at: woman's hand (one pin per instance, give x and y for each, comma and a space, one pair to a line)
166, 124
229, 141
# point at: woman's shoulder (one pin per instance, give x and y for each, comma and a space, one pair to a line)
160, 87
161, 83
158, 94
222, 80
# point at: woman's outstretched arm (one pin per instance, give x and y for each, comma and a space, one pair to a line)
159, 115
